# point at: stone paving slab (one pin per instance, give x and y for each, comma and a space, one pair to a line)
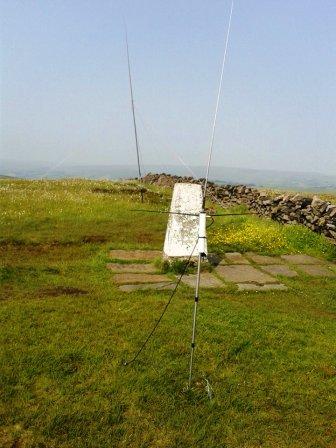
279, 269
135, 254
253, 287
141, 287
208, 280
263, 259
301, 259
235, 258
126, 278
316, 270
132, 267
235, 268
244, 274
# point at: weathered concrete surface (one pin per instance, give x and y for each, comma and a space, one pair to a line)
139, 278
253, 287
316, 270
279, 269
208, 280
301, 259
235, 258
244, 274
182, 230
263, 259
131, 267
140, 287
119, 254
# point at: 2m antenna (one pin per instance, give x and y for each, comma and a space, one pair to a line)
202, 215
201, 238
133, 112
212, 139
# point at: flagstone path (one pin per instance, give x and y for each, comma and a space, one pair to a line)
316, 271
244, 274
134, 270
278, 269
126, 278
159, 286
131, 267
302, 259
208, 280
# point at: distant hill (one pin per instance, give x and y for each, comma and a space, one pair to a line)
300, 181
6, 177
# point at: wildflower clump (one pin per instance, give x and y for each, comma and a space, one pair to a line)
249, 236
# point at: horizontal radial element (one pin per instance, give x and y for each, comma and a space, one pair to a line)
182, 229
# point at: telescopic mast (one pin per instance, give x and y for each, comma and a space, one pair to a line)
202, 215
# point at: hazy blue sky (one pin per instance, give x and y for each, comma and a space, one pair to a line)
64, 86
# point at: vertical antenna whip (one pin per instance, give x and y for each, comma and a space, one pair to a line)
202, 215
217, 103
132, 104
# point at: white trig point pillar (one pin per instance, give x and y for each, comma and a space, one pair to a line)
183, 228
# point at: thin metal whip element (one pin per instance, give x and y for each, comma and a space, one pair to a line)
217, 104
133, 112
209, 215
202, 229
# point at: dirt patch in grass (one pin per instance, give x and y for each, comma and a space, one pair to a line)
94, 239
51, 270
56, 291
37, 246
6, 292
148, 195
324, 313
45, 258
328, 371
104, 190
114, 190
144, 237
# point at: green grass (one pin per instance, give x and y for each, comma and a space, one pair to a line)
270, 357
250, 233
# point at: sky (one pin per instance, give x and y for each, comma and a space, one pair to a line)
65, 94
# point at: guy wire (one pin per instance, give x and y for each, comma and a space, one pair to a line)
126, 363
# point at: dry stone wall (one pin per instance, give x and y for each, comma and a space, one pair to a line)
314, 213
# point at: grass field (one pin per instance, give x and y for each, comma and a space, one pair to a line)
65, 329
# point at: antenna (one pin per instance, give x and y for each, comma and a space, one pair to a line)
201, 242
202, 215
133, 112
217, 103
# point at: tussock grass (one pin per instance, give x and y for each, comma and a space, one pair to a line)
268, 356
